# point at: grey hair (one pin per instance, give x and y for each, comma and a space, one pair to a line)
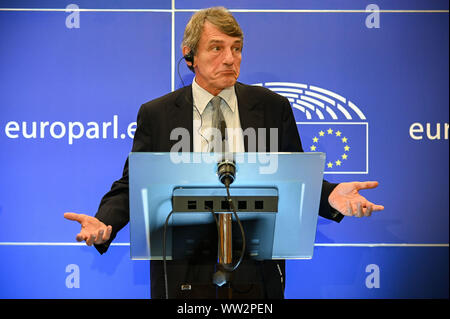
217, 16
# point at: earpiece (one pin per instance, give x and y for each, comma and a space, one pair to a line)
190, 58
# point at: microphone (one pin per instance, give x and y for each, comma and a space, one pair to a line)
226, 169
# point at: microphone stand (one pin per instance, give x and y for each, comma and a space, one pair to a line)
225, 253
226, 170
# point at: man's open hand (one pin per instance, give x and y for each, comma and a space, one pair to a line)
346, 199
92, 231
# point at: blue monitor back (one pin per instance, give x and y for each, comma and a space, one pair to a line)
296, 176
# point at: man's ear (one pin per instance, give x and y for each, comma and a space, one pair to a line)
188, 55
185, 50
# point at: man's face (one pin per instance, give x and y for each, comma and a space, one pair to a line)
217, 60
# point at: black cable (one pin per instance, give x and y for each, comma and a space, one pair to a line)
215, 218
282, 279
164, 255
178, 70
201, 119
230, 201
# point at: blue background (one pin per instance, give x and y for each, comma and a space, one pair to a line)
396, 74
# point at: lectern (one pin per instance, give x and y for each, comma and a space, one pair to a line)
276, 197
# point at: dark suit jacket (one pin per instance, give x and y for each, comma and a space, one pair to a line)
258, 108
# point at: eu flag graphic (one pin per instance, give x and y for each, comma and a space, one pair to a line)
330, 123
345, 145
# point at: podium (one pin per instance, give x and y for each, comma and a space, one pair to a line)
276, 197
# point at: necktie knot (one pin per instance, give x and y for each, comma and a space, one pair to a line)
215, 101
217, 115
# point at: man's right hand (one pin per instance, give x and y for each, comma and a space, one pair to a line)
92, 231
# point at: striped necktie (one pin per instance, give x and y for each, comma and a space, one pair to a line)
217, 121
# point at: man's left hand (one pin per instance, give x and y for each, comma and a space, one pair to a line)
346, 199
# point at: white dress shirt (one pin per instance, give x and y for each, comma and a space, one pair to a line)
203, 112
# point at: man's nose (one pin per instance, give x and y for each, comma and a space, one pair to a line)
228, 56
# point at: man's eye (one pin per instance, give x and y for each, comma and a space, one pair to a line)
216, 48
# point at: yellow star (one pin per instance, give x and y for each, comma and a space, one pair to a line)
315, 139
338, 163
330, 165
321, 133
338, 133
344, 140
313, 148
344, 156
330, 131
346, 148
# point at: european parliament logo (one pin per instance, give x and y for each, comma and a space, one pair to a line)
329, 123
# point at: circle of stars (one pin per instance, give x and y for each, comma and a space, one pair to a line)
337, 134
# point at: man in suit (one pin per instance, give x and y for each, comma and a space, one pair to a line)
212, 46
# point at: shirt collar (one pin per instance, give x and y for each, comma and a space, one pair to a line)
202, 97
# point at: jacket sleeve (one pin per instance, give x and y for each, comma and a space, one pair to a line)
290, 142
114, 208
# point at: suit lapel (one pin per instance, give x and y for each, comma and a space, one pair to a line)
251, 113
182, 115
